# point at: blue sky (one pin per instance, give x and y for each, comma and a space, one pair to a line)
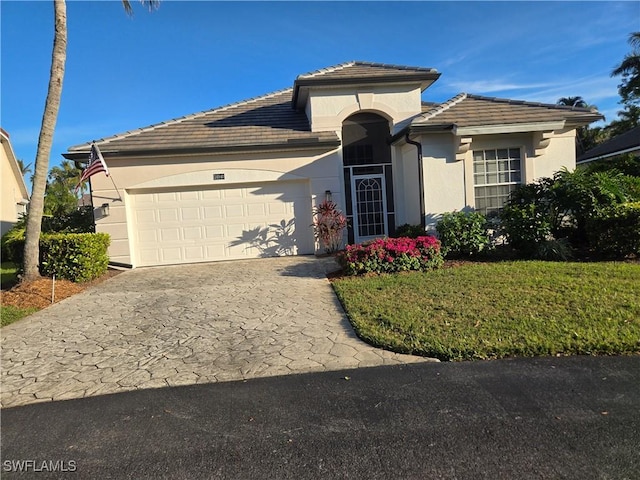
127, 72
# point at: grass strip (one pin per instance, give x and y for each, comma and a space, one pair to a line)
502, 309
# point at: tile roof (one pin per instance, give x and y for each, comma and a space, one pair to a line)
258, 123
359, 69
626, 142
467, 110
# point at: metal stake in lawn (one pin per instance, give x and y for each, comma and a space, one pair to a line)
53, 288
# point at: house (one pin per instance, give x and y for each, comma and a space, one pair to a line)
628, 142
242, 180
15, 196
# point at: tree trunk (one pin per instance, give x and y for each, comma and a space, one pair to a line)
49, 118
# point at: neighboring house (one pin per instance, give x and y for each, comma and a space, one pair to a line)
15, 196
628, 142
242, 180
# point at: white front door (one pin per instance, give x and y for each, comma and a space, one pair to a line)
369, 207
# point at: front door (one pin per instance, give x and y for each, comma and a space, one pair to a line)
369, 207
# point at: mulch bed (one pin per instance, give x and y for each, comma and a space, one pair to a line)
37, 294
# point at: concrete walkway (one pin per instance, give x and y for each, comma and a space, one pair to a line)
180, 325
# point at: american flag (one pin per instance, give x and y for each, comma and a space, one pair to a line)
96, 165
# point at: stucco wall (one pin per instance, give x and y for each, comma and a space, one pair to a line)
328, 108
322, 170
13, 190
448, 183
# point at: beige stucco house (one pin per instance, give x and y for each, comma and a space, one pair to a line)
15, 196
242, 180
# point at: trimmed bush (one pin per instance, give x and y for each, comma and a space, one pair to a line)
390, 255
615, 231
463, 233
77, 257
408, 230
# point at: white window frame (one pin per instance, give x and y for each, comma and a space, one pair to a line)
504, 181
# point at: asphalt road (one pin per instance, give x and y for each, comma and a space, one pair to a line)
549, 418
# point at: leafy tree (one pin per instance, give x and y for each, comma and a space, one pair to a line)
60, 197
45, 139
629, 69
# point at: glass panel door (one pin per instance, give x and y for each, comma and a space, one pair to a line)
369, 207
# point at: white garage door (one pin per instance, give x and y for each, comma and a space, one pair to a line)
244, 221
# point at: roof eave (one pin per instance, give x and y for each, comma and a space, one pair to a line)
327, 145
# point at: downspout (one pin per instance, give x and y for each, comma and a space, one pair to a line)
418, 145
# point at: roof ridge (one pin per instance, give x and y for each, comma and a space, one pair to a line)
325, 70
442, 107
183, 118
395, 66
532, 104
341, 66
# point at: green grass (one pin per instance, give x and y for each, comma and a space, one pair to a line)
502, 309
9, 314
8, 274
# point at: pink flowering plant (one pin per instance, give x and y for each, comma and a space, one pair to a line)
328, 225
389, 255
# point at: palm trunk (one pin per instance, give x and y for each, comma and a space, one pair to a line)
49, 118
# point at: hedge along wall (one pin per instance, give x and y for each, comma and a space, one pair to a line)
78, 257
615, 230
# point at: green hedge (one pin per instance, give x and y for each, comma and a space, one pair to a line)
463, 233
78, 257
615, 231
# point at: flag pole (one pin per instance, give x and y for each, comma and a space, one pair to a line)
115, 186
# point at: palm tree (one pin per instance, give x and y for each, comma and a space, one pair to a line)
45, 140
24, 168
49, 118
577, 102
586, 137
629, 68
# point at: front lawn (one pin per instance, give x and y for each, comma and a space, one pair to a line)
8, 274
10, 314
494, 310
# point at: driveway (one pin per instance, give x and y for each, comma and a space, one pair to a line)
181, 325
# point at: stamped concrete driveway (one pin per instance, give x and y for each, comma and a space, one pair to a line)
178, 325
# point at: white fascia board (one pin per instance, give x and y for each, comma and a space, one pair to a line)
509, 128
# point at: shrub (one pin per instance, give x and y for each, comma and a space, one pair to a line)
563, 207
615, 231
525, 226
389, 255
328, 225
78, 257
463, 233
408, 230
553, 250
12, 244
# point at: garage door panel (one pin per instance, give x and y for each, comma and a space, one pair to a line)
232, 211
219, 224
169, 235
190, 213
186, 196
192, 233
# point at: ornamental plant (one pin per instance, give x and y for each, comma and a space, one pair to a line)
328, 225
463, 233
390, 255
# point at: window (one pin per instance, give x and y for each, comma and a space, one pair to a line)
496, 173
